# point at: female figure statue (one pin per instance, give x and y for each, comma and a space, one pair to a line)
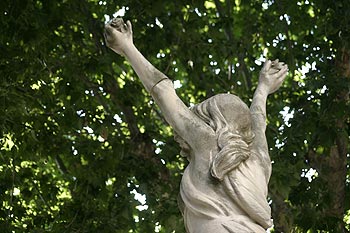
224, 187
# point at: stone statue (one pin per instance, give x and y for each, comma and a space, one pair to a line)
224, 187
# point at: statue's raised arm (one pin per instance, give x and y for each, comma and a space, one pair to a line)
271, 78
118, 36
224, 186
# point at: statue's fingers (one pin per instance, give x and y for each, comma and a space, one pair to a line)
108, 29
117, 22
113, 22
129, 26
273, 71
280, 65
107, 34
267, 66
282, 73
275, 62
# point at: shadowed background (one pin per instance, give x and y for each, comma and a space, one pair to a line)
83, 148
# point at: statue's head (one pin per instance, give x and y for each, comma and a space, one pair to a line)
230, 118
226, 111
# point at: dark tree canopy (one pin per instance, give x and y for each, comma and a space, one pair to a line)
83, 148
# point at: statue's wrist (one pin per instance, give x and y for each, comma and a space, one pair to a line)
263, 88
128, 49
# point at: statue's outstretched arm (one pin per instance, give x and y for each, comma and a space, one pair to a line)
270, 79
118, 36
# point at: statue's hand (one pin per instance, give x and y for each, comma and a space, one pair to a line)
118, 35
272, 75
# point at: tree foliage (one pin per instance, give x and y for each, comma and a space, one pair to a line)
85, 149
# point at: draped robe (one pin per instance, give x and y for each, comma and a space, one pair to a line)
238, 202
